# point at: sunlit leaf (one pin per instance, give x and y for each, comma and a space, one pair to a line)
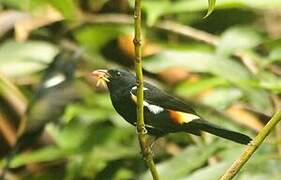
188, 88
197, 61
220, 98
71, 136
275, 55
66, 7
26, 58
14, 3
237, 39
155, 10
183, 6
270, 81
211, 7
92, 141
94, 37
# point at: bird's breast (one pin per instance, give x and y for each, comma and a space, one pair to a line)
124, 106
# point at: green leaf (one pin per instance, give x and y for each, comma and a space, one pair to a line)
213, 172
66, 7
26, 58
165, 7
73, 169
108, 144
275, 54
258, 99
260, 176
211, 7
42, 155
71, 136
215, 116
155, 10
15, 3
221, 98
238, 38
270, 81
187, 88
190, 159
96, 36
197, 61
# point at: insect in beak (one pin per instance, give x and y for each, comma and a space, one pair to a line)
102, 77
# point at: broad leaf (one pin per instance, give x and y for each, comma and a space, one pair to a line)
190, 159
238, 38
26, 58
197, 61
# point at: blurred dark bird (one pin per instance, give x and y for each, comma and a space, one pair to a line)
163, 113
55, 91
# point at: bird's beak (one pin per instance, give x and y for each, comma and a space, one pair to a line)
102, 76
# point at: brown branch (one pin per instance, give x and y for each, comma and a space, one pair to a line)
187, 31
107, 19
7, 130
13, 95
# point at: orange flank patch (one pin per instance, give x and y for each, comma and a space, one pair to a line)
181, 117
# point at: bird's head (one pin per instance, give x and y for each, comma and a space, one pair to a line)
114, 78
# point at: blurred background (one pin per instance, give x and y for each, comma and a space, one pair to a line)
228, 66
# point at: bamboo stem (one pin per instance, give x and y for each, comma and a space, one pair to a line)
252, 147
142, 132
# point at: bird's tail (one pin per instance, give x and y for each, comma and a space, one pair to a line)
203, 125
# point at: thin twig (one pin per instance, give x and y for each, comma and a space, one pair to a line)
107, 19
187, 31
252, 147
142, 132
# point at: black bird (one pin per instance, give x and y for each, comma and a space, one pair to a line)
55, 91
163, 113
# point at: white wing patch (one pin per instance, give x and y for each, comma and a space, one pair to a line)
54, 80
135, 88
152, 108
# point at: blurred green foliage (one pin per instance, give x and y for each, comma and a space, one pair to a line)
234, 78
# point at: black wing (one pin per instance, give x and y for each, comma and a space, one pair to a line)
155, 96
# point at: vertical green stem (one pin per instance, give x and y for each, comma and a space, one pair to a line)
142, 132
252, 147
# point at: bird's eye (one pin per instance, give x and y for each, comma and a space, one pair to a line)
118, 74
